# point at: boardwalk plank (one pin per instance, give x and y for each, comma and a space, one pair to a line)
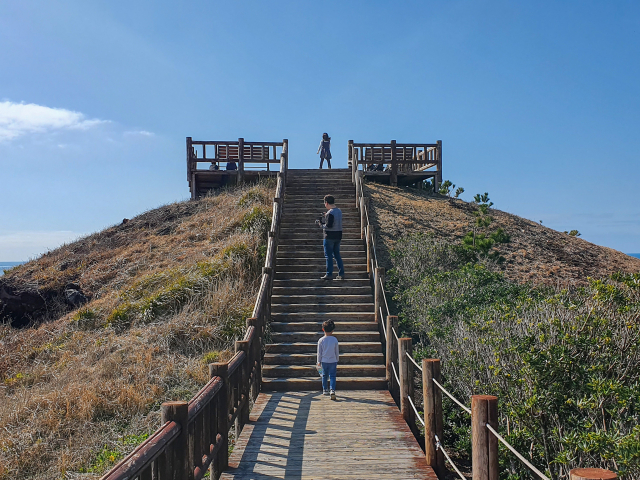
306, 436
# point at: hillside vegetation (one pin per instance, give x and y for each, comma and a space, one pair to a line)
547, 322
119, 322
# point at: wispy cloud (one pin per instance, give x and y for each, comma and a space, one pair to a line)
143, 133
19, 119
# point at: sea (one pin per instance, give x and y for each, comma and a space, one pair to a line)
7, 265
637, 255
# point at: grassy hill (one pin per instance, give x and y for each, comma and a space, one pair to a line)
116, 323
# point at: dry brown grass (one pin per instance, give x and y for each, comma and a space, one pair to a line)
535, 254
166, 288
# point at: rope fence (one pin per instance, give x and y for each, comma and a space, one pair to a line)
400, 365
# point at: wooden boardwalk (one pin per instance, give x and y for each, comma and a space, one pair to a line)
305, 435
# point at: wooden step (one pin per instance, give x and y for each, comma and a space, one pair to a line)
311, 337
352, 267
301, 384
322, 289
287, 371
312, 347
310, 358
321, 299
326, 307
322, 316
317, 246
317, 283
318, 260
298, 242
316, 275
316, 327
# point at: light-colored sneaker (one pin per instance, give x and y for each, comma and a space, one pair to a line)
326, 277
325, 392
333, 394
339, 277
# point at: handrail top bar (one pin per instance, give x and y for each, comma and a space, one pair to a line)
378, 145
235, 142
133, 464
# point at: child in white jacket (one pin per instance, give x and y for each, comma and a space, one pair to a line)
328, 357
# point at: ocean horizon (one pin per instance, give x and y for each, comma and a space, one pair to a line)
7, 265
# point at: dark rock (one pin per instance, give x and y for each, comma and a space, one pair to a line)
75, 297
21, 308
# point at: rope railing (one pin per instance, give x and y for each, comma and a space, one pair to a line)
446, 392
517, 454
414, 362
439, 447
384, 329
415, 410
395, 373
395, 333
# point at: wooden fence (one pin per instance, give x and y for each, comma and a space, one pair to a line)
401, 371
194, 436
210, 158
410, 159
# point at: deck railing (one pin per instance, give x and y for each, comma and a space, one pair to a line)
194, 436
397, 158
400, 373
208, 155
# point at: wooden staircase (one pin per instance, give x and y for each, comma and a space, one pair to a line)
301, 301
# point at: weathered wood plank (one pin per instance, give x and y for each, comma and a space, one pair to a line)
305, 435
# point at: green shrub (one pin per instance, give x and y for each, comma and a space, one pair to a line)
564, 364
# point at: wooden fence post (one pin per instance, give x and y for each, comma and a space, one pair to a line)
591, 474
255, 350
378, 300
367, 237
406, 382
359, 194
392, 349
432, 399
364, 204
394, 165
179, 412
243, 415
437, 181
350, 162
484, 445
240, 160
221, 463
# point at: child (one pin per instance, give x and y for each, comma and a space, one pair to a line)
328, 357
325, 150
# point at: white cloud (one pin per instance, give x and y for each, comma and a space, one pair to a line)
23, 245
18, 119
143, 133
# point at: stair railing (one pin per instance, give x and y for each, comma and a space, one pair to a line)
194, 436
401, 367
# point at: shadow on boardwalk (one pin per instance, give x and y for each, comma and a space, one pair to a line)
304, 435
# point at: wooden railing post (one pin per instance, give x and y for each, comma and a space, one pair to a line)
394, 165
406, 382
351, 162
285, 150
378, 300
363, 216
243, 414
391, 350
240, 160
367, 240
255, 363
437, 181
358, 193
432, 400
591, 474
179, 412
221, 463
484, 445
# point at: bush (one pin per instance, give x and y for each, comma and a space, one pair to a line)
564, 364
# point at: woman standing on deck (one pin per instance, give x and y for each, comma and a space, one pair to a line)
325, 150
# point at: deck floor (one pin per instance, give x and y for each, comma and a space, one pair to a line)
305, 435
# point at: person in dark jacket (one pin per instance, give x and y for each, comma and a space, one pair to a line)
332, 229
325, 150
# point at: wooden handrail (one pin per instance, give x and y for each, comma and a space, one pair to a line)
196, 435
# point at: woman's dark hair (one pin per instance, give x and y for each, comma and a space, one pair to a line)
325, 136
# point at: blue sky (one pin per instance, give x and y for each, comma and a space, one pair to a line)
537, 103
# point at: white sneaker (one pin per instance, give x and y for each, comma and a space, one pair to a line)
326, 277
325, 392
339, 277
333, 394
